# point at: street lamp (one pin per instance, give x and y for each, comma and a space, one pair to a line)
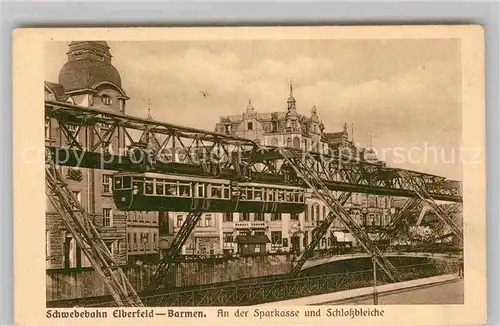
375, 294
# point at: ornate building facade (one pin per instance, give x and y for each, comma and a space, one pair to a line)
287, 232
89, 79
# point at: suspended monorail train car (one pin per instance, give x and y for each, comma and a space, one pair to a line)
178, 193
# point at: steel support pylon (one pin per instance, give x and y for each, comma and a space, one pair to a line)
317, 234
179, 240
399, 221
427, 198
455, 211
310, 177
88, 239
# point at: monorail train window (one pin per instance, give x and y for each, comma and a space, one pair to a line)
200, 187
301, 197
258, 193
185, 189
149, 190
281, 195
118, 183
249, 193
296, 197
270, 195
215, 191
170, 189
127, 182
226, 192
159, 187
288, 196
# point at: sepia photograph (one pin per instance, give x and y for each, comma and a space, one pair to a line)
259, 173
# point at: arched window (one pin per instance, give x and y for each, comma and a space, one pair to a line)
288, 142
324, 212
317, 212
106, 99
296, 142
312, 213
274, 141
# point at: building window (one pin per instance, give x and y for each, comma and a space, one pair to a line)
250, 126
78, 196
274, 126
276, 237
154, 241
111, 247
106, 183
135, 241
245, 216
179, 220
72, 129
208, 220
106, 99
227, 217
324, 212
107, 217
227, 237
105, 127
129, 243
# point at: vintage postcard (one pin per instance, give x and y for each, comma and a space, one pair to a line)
251, 175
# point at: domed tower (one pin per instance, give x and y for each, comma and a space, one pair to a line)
90, 78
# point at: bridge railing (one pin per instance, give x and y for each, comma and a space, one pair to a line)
277, 289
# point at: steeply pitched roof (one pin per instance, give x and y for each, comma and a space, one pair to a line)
57, 90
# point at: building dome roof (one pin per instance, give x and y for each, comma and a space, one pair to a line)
102, 43
85, 74
89, 65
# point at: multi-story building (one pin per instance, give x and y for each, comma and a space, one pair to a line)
285, 232
89, 79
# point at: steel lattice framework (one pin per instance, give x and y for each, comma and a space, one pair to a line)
88, 239
210, 153
174, 250
168, 148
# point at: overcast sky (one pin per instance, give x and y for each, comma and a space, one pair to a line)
406, 93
